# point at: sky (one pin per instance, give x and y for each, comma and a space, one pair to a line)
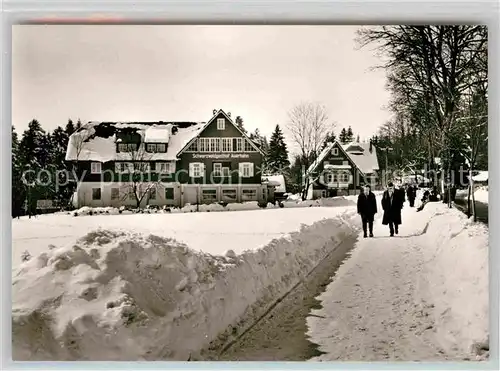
182, 73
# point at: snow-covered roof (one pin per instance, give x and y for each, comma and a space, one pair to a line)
278, 181
482, 176
366, 161
158, 134
96, 141
358, 152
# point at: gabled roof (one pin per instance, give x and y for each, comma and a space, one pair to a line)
252, 143
96, 141
365, 161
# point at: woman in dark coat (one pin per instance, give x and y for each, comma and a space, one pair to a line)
392, 205
367, 208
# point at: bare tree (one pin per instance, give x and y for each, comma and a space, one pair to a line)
431, 66
309, 127
141, 179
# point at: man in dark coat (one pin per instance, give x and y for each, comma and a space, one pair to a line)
411, 194
392, 205
367, 208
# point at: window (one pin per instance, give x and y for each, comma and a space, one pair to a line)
238, 144
164, 167
152, 193
217, 169
229, 195
115, 193
246, 169
169, 193
249, 195
194, 146
209, 195
335, 151
127, 147
328, 178
248, 146
196, 170
214, 145
122, 167
161, 147
227, 144
150, 147
221, 124
141, 167
96, 193
203, 145
95, 167
344, 177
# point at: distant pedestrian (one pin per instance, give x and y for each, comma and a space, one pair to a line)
392, 205
411, 194
367, 208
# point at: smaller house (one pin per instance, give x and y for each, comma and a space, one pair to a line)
341, 169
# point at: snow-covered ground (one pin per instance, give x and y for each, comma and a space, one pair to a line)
480, 195
214, 232
419, 296
94, 290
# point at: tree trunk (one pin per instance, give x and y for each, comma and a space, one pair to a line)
469, 192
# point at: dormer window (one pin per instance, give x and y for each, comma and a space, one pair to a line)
127, 147
221, 124
156, 147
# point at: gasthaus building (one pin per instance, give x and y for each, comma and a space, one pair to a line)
166, 163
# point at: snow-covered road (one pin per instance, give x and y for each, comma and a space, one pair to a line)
393, 300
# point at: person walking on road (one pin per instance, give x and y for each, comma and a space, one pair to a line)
392, 205
367, 208
411, 194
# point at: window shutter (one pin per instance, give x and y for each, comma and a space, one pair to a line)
250, 165
191, 169
240, 168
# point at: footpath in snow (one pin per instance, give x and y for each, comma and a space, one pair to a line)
419, 296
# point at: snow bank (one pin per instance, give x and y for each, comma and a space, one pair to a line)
216, 207
122, 296
458, 277
481, 195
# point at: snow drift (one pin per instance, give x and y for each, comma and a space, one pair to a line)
458, 277
123, 296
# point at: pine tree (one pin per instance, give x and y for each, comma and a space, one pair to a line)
70, 128
78, 125
34, 153
343, 136
357, 138
330, 138
349, 135
277, 159
17, 184
239, 123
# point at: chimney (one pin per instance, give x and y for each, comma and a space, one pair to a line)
229, 114
214, 112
